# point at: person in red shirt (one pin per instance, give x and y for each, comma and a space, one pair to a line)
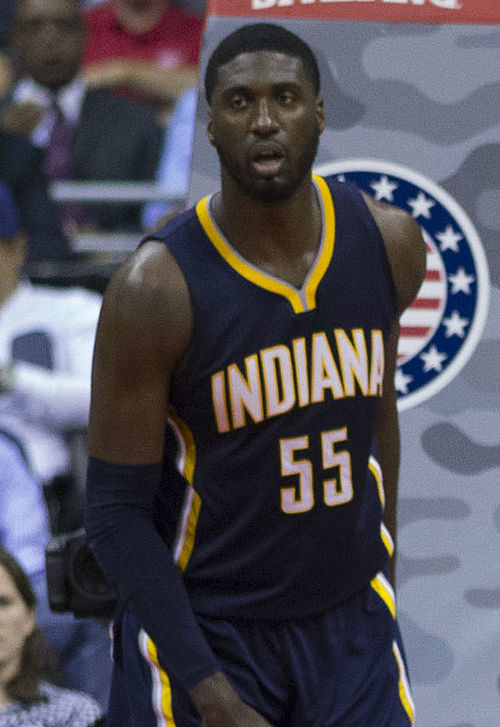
144, 48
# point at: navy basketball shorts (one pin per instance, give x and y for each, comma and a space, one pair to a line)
344, 668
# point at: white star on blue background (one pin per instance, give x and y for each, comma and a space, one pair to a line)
460, 297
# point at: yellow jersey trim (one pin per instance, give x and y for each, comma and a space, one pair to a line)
161, 696
404, 685
375, 469
300, 300
383, 588
186, 462
387, 539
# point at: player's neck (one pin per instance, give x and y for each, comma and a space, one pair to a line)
281, 239
292, 224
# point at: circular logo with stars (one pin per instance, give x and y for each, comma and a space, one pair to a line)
442, 327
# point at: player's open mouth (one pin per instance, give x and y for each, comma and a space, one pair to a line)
267, 159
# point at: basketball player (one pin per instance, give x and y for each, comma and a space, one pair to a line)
244, 437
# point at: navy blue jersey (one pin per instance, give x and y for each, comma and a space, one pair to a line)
273, 411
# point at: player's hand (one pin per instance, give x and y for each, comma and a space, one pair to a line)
220, 706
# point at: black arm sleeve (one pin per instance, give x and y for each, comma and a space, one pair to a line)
140, 566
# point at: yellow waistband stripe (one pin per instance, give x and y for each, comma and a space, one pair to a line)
404, 685
161, 696
383, 588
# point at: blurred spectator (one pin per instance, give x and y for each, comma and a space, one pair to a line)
87, 134
26, 698
81, 646
46, 344
21, 168
149, 48
175, 161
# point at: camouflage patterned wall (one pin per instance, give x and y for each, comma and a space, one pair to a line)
426, 98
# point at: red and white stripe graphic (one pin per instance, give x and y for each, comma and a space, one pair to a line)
420, 321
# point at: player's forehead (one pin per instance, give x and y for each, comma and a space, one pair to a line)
250, 69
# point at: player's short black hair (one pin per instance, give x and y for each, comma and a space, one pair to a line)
260, 37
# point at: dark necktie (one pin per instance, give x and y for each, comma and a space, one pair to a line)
58, 155
59, 166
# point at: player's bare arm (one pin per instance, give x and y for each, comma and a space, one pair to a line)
143, 331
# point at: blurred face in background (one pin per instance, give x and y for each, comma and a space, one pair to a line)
139, 15
17, 622
49, 37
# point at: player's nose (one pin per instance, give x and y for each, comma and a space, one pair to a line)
264, 120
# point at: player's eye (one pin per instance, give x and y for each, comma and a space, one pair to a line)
238, 102
286, 98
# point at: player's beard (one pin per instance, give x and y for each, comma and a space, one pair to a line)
272, 190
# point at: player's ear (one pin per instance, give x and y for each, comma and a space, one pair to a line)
320, 115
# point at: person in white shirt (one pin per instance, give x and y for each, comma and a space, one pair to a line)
46, 344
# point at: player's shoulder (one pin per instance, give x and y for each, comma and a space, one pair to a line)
147, 274
153, 263
405, 247
148, 293
146, 305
